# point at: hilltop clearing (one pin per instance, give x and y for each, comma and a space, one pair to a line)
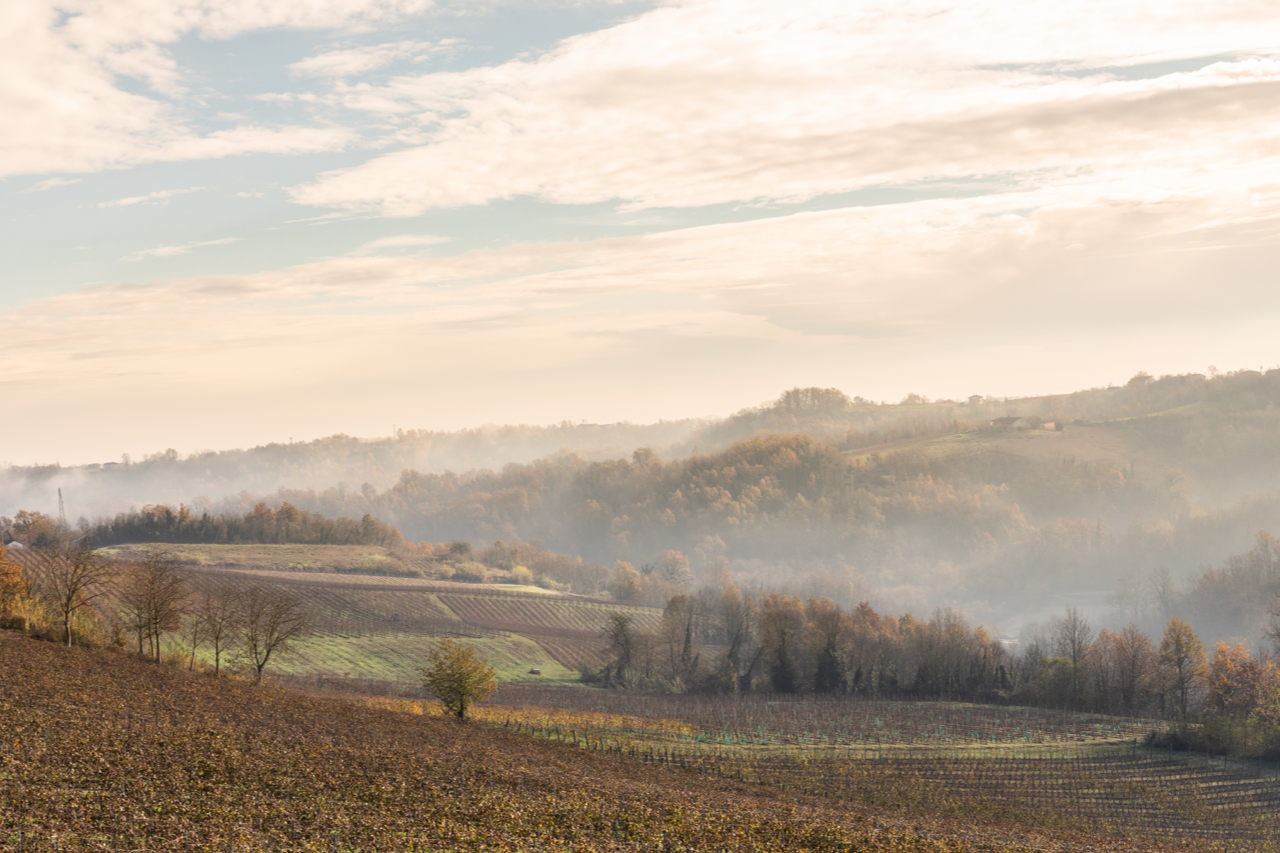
362, 560
102, 752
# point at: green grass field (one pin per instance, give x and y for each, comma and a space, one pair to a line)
397, 657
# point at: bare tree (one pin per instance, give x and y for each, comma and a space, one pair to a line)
154, 595
1071, 641
193, 636
269, 622
1273, 627
218, 612
71, 579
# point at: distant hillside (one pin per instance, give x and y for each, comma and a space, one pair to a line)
1000, 522
348, 464
914, 504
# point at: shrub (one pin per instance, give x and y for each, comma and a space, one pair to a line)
471, 572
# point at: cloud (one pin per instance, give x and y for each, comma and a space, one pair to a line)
158, 197
404, 241
1057, 287
184, 249
51, 183
355, 61
930, 274
66, 110
717, 102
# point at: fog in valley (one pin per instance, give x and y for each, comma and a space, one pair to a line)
1130, 504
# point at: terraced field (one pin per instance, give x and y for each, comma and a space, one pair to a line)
853, 726
372, 628
1038, 767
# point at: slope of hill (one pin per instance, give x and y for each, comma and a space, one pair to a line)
1002, 523
342, 462
103, 752
378, 627
914, 505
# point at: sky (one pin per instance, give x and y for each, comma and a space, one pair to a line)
230, 223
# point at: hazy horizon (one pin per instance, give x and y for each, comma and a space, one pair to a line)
456, 426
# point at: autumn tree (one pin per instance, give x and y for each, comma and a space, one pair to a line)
625, 583
287, 517
1233, 678
1182, 664
71, 579
269, 622
1136, 663
458, 677
673, 567
826, 628
782, 634
811, 400
737, 617
13, 580
38, 530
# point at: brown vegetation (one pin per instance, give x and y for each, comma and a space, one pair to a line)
101, 753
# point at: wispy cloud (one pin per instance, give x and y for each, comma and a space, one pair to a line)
948, 289
183, 249
51, 183
67, 110
404, 241
351, 62
723, 101
158, 197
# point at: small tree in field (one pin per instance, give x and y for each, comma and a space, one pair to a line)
458, 676
268, 622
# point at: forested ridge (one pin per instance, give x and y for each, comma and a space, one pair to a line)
995, 522
359, 464
910, 504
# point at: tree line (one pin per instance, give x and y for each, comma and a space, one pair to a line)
723, 640
262, 524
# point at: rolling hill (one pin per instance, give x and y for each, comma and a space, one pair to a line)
101, 751
377, 627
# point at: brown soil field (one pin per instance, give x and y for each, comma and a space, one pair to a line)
102, 752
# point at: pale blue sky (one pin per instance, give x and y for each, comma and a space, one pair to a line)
227, 225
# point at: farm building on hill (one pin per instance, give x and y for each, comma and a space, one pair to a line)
1013, 422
